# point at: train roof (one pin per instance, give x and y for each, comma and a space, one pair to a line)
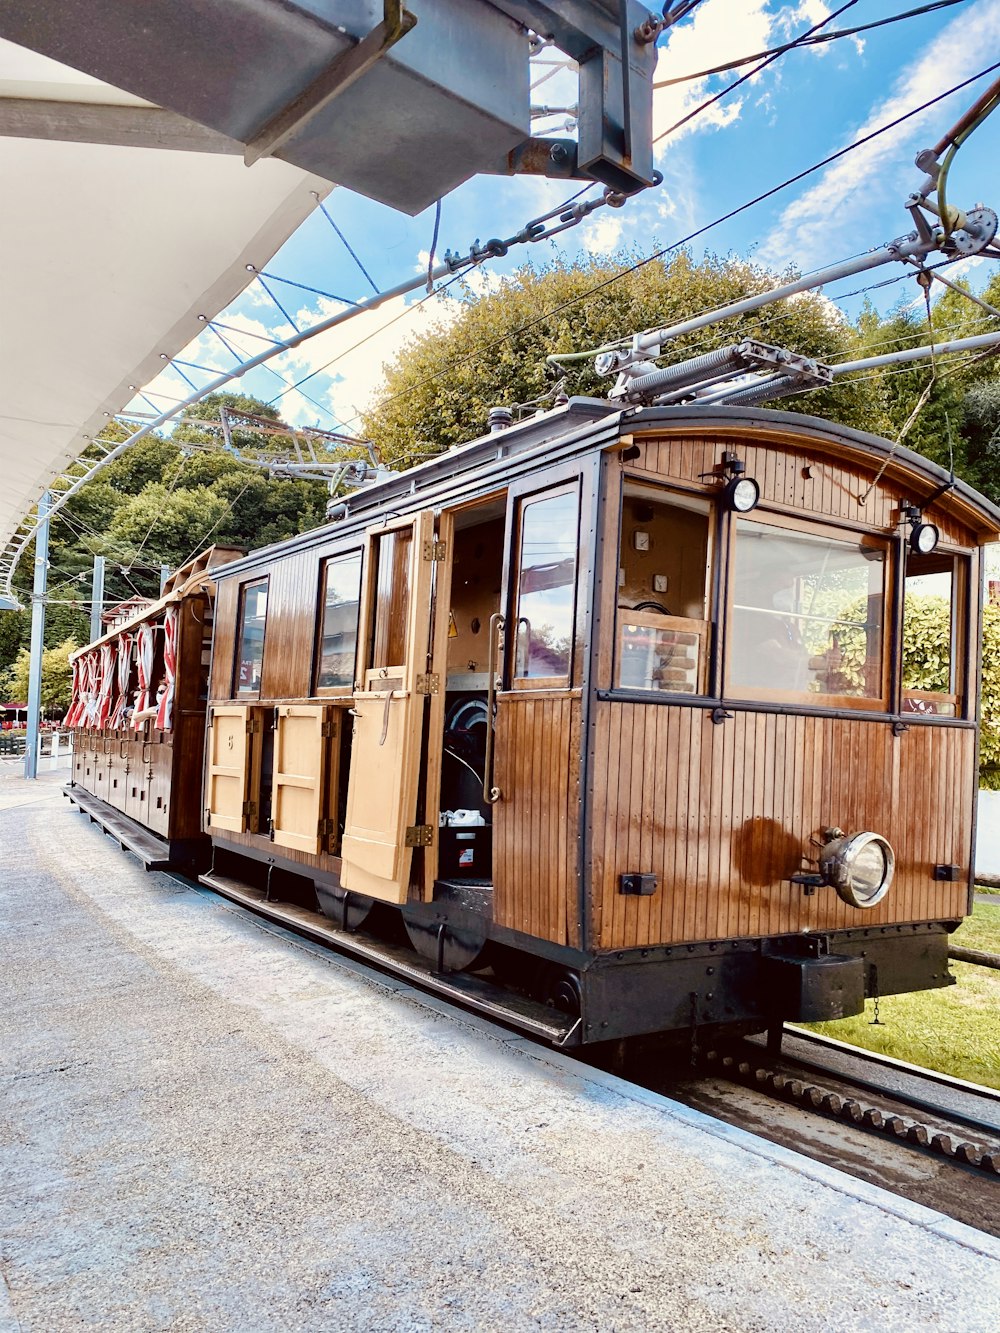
584, 424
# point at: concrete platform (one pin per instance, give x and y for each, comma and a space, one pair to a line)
211, 1126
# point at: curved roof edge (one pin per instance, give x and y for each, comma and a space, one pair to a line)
800, 423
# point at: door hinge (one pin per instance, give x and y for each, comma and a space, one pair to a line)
324, 828
250, 809
328, 728
435, 550
253, 725
419, 835
429, 684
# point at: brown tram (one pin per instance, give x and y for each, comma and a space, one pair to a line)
612, 713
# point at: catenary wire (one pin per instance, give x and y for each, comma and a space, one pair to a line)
583, 297
803, 41
768, 60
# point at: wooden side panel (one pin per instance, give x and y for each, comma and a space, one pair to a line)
227, 779
536, 824
292, 618
227, 605
723, 815
795, 477
299, 751
388, 725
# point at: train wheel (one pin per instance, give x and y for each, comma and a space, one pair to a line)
347, 910
560, 989
450, 947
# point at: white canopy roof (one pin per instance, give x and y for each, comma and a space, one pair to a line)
108, 255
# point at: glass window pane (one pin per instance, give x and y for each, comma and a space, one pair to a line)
663, 565
253, 616
339, 628
929, 625
807, 613
666, 659
392, 598
546, 589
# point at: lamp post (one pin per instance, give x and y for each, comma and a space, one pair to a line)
38, 591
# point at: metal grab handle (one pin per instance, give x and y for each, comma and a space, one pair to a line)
492, 794
122, 742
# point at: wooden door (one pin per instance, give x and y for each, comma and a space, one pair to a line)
117, 776
228, 776
389, 707
301, 742
158, 799
137, 785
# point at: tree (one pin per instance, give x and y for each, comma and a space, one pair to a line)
441, 386
57, 677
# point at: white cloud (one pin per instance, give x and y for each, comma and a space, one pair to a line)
719, 31
603, 234
844, 198
356, 352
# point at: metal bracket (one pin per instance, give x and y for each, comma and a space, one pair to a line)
250, 809
348, 67
324, 828
429, 684
328, 729
419, 835
435, 550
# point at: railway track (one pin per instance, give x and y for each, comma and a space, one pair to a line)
914, 1132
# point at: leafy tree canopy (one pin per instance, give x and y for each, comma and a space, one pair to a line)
443, 383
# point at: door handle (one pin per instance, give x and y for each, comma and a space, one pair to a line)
492, 794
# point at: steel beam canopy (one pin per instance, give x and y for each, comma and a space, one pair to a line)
399, 101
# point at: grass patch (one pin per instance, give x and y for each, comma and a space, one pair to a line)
954, 1030
981, 930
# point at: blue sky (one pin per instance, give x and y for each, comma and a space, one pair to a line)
806, 105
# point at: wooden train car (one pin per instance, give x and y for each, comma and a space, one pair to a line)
618, 715
617, 709
138, 716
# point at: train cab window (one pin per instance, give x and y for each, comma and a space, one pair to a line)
338, 629
546, 588
250, 637
663, 599
392, 599
807, 616
933, 595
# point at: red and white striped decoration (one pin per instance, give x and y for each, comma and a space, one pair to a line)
165, 707
144, 664
124, 645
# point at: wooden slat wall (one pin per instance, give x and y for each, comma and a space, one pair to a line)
721, 815
535, 829
224, 645
832, 487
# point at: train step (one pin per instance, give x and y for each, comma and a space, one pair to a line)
152, 851
537, 1020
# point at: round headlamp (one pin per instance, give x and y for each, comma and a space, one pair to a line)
860, 866
924, 538
741, 494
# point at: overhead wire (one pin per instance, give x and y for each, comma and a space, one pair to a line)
585, 296
768, 60
815, 40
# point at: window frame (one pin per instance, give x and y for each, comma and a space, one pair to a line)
831, 531
961, 611
564, 680
239, 692
336, 691
705, 629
